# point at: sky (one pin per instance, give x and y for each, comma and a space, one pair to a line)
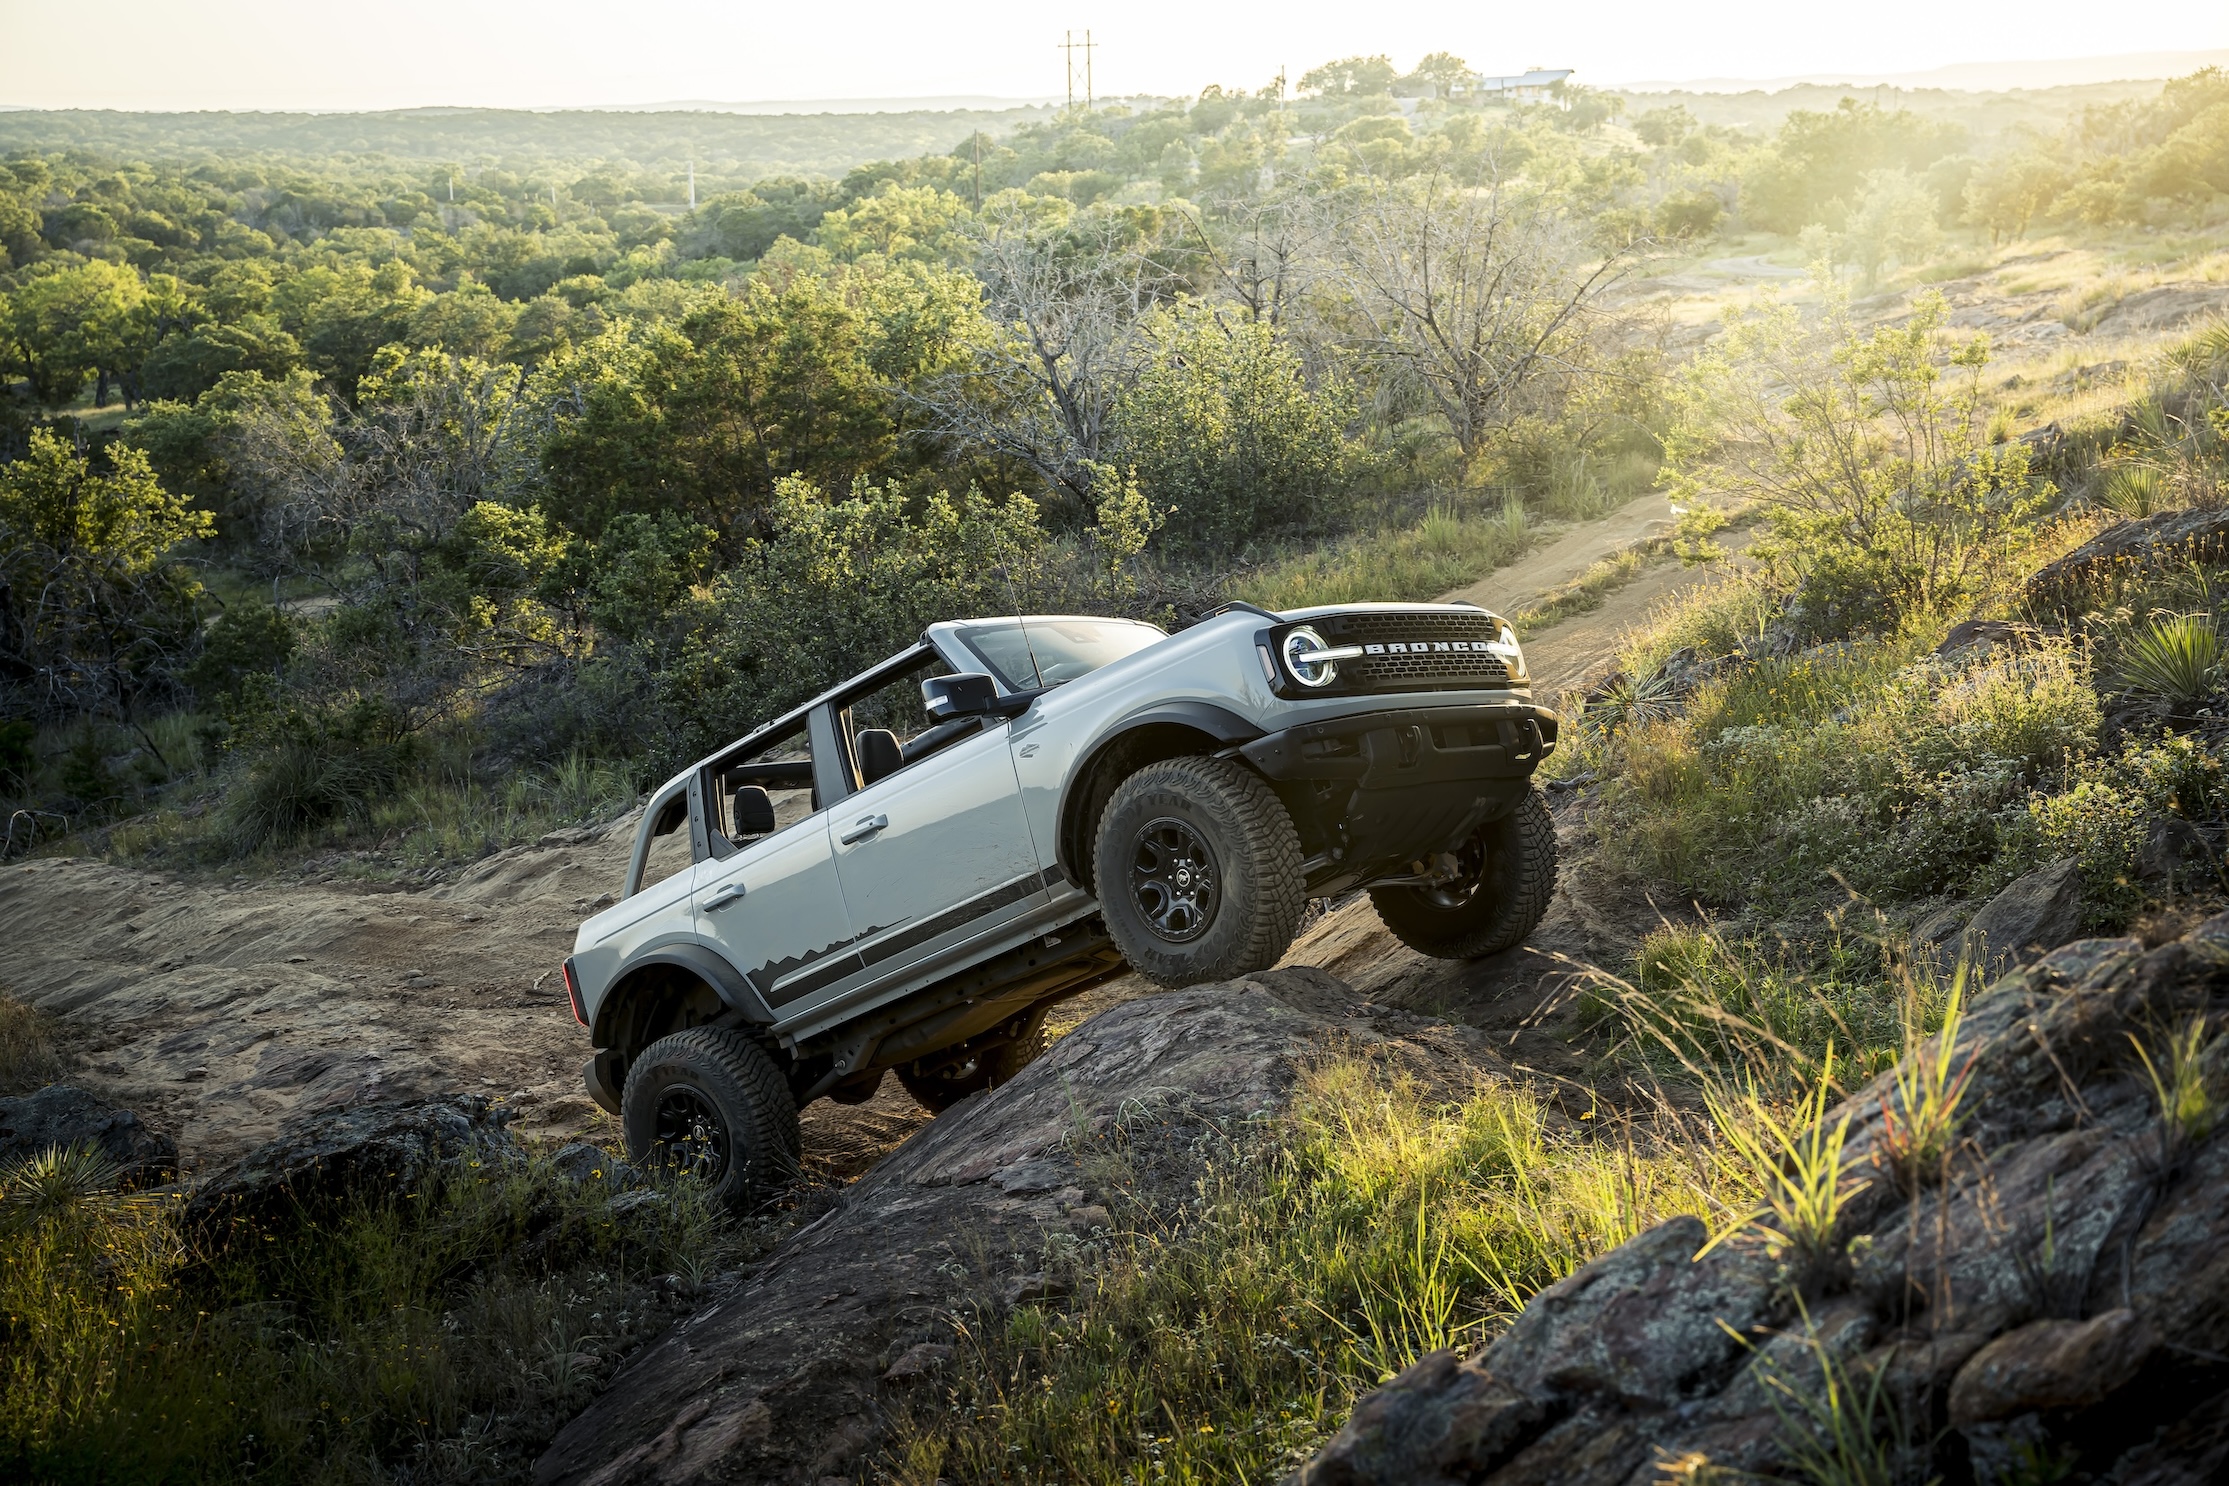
287, 54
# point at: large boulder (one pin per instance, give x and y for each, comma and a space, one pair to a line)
789, 1377
2060, 1296
369, 1150
2030, 918
65, 1115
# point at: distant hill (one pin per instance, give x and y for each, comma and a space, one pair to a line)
1986, 115
730, 145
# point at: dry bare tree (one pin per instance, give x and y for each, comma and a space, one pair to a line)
1066, 308
1482, 296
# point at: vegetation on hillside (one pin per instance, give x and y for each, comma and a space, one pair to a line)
333, 506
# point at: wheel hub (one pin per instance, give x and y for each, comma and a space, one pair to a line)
1173, 880
692, 1139
1458, 875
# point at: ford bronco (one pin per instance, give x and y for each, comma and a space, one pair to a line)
903, 874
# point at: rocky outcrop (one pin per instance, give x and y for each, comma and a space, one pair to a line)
2056, 1300
2147, 544
373, 1149
62, 1115
787, 1377
2034, 915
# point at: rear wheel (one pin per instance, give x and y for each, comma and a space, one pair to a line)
1197, 868
709, 1103
1507, 874
942, 1080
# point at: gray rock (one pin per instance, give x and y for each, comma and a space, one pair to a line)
2029, 919
372, 1150
2172, 853
65, 1115
582, 1163
1988, 634
1936, 938
2062, 1296
778, 1380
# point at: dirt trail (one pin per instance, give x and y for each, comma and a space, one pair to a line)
219, 1012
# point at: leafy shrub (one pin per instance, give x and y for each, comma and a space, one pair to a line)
1855, 762
441, 1337
837, 585
1868, 453
250, 638
309, 768
1225, 432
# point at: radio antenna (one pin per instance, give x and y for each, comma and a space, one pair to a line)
1037, 672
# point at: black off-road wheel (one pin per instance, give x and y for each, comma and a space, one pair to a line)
943, 1080
1508, 873
1197, 869
709, 1103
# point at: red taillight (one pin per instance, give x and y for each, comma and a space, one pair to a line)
572, 993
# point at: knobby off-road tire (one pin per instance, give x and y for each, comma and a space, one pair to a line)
710, 1102
1197, 868
1495, 908
938, 1091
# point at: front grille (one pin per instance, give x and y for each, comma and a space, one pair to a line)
1427, 659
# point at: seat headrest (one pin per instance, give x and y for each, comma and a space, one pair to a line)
879, 755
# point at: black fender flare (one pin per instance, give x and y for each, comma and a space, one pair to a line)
700, 960
1221, 724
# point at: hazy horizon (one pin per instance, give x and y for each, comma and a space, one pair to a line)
268, 55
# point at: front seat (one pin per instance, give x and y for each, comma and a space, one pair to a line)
878, 754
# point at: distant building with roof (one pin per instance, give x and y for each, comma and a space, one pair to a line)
1538, 85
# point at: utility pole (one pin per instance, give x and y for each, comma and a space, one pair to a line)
1087, 70
692, 185
977, 141
1068, 48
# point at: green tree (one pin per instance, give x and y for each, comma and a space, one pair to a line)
2010, 191
1351, 77
1819, 159
70, 324
702, 420
94, 613
834, 585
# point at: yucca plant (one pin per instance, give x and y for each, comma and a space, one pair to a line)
56, 1182
2137, 490
2177, 660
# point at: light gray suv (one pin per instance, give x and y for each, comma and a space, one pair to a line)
903, 874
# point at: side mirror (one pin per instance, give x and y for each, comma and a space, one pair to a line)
970, 694
754, 812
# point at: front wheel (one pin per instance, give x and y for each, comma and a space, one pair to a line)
1508, 875
1197, 868
709, 1103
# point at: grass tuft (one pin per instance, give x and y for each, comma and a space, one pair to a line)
28, 1061
1448, 549
1371, 1223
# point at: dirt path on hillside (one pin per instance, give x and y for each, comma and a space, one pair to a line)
218, 1012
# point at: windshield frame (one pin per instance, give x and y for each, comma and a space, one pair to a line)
965, 636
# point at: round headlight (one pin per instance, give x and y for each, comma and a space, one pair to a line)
1302, 644
1505, 646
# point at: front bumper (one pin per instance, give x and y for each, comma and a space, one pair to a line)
1373, 792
